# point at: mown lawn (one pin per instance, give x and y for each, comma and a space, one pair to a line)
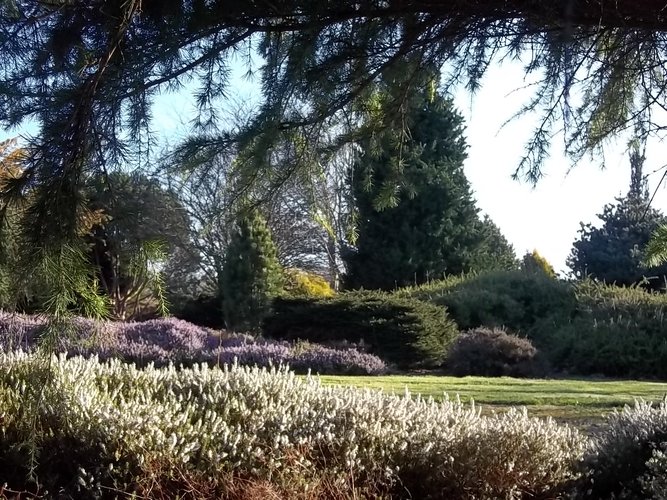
578, 401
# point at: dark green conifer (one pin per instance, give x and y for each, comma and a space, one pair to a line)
420, 224
251, 275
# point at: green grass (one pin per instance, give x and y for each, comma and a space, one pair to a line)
568, 400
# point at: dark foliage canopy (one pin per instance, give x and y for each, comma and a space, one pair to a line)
139, 225
426, 228
615, 252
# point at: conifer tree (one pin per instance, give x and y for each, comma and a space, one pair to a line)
420, 225
533, 262
613, 252
251, 275
494, 251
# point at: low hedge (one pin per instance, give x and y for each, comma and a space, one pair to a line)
173, 341
403, 331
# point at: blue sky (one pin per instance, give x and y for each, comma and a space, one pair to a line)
545, 217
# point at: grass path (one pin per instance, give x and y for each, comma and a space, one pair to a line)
577, 401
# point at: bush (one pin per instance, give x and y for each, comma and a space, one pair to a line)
512, 299
492, 353
300, 283
402, 331
135, 427
533, 262
616, 331
172, 340
312, 358
628, 460
582, 328
320, 359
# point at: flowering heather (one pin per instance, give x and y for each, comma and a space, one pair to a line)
164, 341
344, 361
19, 331
116, 426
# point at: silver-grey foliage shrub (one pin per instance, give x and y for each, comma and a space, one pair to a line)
262, 422
628, 460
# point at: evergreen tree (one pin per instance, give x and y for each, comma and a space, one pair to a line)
419, 225
533, 262
251, 275
614, 251
494, 251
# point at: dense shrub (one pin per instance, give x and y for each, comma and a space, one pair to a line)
19, 331
403, 331
581, 328
111, 426
615, 331
513, 299
492, 353
171, 340
302, 359
349, 361
299, 283
628, 460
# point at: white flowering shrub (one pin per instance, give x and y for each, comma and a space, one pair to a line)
111, 422
628, 458
654, 481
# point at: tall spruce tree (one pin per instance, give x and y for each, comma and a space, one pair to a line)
251, 275
421, 225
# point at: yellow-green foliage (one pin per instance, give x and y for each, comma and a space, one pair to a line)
299, 283
533, 262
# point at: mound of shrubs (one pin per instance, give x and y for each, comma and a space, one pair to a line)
492, 352
583, 328
92, 428
403, 331
516, 300
164, 341
617, 331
